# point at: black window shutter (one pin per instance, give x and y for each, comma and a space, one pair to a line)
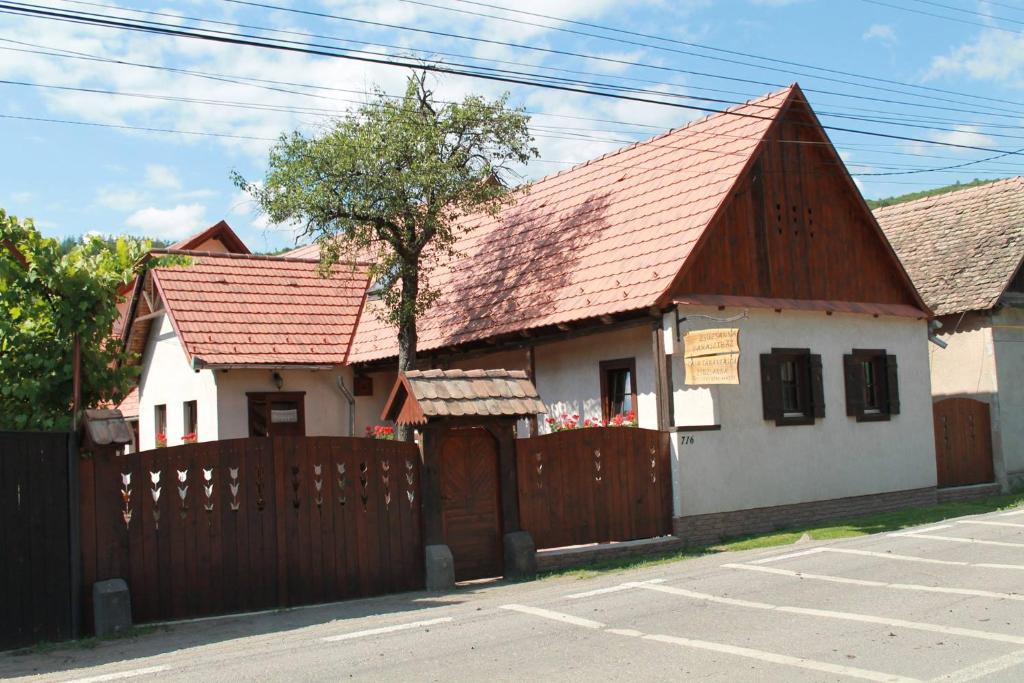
854, 380
892, 384
817, 386
771, 389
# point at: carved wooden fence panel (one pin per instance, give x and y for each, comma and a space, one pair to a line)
246, 524
594, 485
38, 577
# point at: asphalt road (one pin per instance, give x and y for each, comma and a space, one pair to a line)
941, 602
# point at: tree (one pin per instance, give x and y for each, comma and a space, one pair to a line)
47, 297
393, 179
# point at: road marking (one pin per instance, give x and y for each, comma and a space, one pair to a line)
120, 675
777, 558
787, 660
879, 584
385, 629
847, 616
554, 616
962, 539
632, 633
988, 523
918, 530
914, 558
983, 669
610, 589
895, 556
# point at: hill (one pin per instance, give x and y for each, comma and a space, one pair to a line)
899, 199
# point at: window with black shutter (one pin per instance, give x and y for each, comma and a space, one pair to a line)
872, 385
792, 390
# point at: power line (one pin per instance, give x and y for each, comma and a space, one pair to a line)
943, 16
254, 41
688, 44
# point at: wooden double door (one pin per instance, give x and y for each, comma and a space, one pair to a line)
963, 442
471, 503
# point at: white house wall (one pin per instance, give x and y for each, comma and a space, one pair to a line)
326, 409
752, 463
568, 375
168, 379
1008, 342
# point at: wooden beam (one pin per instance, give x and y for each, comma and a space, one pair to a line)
662, 399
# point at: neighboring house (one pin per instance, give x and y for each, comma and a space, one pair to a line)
964, 250
589, 282
240, 345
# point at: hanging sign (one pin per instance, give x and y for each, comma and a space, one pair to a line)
712, 356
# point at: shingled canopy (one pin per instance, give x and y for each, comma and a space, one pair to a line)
421, 396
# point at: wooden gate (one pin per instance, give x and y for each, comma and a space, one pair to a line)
246, 524
594, 485
38, 581
963, 442
470, 506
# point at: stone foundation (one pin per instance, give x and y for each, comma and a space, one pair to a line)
963, 494
714, 527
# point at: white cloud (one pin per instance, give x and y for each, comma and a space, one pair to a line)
965, 135
993, 56
881, 32
176, 223
162, 177
119, 199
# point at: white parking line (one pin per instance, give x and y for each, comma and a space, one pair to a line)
787, 660
788, 556
879, 584
988, 523
964, 539
749, 653
917, 530
983, 669
610, 589
554, 616
385, 629
914, 558
1012, 513
121, 675
846, 616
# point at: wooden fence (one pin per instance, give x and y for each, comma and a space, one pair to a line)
594, 485
38, 577
246, 524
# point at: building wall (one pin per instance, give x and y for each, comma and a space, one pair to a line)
326, 408
569, 380
1008, 343
369, 408
967, 366
168, 379
752, 463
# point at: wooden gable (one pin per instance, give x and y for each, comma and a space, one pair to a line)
796, 227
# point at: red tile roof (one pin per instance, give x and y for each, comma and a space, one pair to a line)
221, 232
129, 405
230, 309
962, 248
601, 238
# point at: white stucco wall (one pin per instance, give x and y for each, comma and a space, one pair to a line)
751, 462
369, 408
1008, 342
568, 375
325, 407
168, 379
967, 366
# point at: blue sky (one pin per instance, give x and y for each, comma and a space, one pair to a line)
75, 178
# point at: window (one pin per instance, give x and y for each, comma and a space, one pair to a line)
160, 424
277, 414
791, 386
618, 387
872, 385
190, 420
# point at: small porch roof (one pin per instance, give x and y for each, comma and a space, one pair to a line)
422, 395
